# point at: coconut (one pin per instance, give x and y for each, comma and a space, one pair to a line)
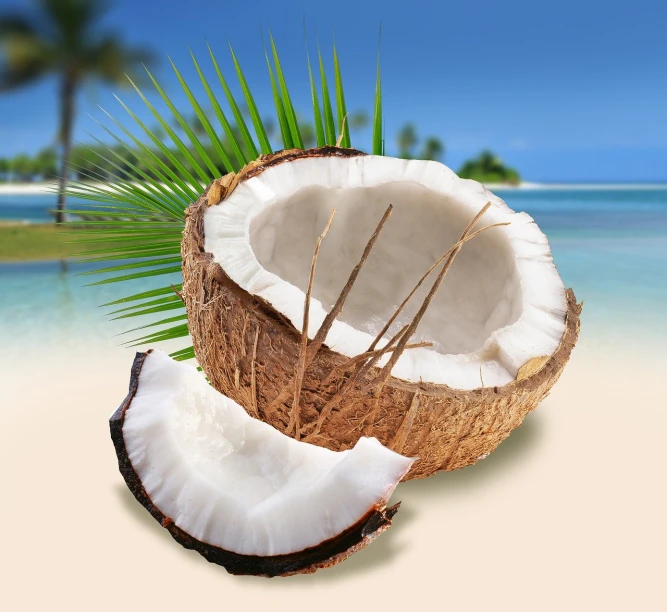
442, 369
235, 489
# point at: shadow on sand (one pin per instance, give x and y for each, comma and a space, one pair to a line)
389, 545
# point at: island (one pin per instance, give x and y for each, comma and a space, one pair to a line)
488, 168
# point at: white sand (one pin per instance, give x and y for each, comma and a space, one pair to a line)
26, 188
568, 514
37, 188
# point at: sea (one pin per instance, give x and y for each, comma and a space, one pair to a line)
608, 242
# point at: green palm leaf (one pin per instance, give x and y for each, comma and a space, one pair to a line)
152, 310
206, 124
183, 149
144, 295
137, 219
233, 104
317, 114
280, 108
241, 159
156, 323
183, 354
145, 274
329, 125
343, 125
252, 108
152, 160
169, 299
290, 115
178, 331
378, 141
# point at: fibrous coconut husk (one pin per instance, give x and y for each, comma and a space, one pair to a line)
251, 353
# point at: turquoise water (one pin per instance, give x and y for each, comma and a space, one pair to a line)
32, 207
609, 245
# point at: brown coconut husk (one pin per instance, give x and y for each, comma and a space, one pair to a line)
253, 354
325, 554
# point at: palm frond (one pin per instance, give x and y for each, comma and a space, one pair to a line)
208, 128
137, 218
241, 159
285, 131
317, 113
145, 294
378, 141
180, 145
169, 299
152, 160
183, 354
290, 115
163, 307
341, 110
252, 108
182, 317
329, 126
233, 104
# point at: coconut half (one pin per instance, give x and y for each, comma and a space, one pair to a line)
499, 330
235, 489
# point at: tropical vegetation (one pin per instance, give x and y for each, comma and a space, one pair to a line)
21, 168
87, 159
488, 168
63, 38
408, 140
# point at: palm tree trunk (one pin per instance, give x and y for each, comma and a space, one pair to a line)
67, 98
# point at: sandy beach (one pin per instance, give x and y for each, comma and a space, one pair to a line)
26, 188
568, 514
44, 188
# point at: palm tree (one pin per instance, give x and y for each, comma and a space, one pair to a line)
21, 166
433, 149
407, 140
62, 38
45, 163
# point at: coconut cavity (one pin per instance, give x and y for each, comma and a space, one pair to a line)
501, 304
232, 482
482, 291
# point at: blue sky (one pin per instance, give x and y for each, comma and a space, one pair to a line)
565, 91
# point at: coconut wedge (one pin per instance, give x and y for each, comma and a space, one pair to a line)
236, 490
445, 375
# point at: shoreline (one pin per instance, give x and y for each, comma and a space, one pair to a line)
27, 188
48, 188
528, 186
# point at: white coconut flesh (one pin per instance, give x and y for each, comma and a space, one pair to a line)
501, 304
234, 482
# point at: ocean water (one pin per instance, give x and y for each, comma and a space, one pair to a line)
610, 245
32, 208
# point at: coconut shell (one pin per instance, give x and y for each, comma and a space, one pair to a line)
250, 352
307, 561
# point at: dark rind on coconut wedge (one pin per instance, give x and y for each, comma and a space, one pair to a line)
307, 561
446, 428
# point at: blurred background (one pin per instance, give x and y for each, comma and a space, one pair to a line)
560, 108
